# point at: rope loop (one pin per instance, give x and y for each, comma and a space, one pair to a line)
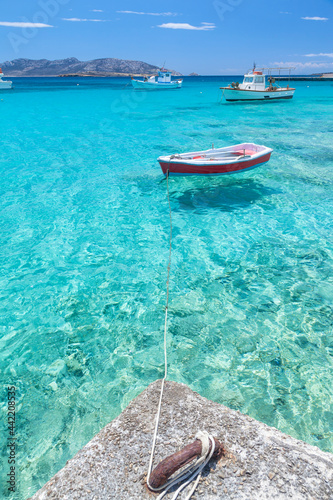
192, 471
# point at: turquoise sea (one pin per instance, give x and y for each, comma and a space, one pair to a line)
84, 250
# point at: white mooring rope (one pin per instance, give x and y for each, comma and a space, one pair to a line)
194, 469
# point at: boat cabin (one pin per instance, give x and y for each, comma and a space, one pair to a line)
254, 80
164, 76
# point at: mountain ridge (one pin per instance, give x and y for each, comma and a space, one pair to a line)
71, 65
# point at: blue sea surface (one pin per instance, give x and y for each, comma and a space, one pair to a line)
84, 251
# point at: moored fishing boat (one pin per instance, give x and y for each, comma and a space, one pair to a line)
4, 84
256, 88
227, 160
160, 82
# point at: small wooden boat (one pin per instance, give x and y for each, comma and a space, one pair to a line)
229, 160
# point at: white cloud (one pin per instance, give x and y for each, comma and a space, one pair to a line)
320, 55
77, 20
147, 13
97, 10
186, 26
315, 18
25, 25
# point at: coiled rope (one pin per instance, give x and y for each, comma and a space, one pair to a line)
192, 470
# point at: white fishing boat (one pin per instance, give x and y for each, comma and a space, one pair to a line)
4, 84
258, 86
162, 81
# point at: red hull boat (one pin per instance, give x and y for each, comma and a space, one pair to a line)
229, 160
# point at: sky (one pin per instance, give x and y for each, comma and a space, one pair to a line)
213, 37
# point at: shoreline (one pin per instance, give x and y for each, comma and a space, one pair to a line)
140, 75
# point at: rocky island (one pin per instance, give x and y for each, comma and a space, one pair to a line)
73, 67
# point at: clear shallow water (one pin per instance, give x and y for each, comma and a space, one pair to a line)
84, 247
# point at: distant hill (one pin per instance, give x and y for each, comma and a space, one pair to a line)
72, 66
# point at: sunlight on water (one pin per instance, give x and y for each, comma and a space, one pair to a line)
84, 248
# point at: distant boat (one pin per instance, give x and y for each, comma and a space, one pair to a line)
4, 84
160, 82
229, 160
255, 87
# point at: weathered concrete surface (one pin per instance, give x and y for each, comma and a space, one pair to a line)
261, 463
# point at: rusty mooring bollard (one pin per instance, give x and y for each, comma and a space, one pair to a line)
171, 464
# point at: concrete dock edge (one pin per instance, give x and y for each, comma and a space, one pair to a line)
261, 462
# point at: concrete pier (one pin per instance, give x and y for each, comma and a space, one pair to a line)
327, 78
261, 462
